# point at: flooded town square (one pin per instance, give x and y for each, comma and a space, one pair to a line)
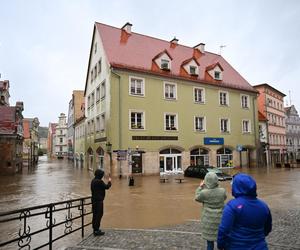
147, 204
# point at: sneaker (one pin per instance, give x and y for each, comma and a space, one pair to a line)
98, 233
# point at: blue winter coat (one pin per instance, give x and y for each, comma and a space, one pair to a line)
246, 220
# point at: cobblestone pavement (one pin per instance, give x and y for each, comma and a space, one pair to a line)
285, 236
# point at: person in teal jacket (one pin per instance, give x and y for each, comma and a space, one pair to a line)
246, 220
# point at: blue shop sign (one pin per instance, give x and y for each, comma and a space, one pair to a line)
213, 141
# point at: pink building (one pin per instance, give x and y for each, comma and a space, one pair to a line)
270, 104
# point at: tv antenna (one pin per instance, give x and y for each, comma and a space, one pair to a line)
221, 49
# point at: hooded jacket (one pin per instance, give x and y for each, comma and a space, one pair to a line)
246, 219
212, 197
98, 186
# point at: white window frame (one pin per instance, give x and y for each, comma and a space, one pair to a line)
98, 94
142, 86
98, 123
175, 89
102, 122
102, 90
203, 95
166, 61
226, 99
248, 125
190, 69
93, 99
175, 121
221, 125
247, 106
142, 119
220, 75
204, 123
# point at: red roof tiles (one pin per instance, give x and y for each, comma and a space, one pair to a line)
137, 51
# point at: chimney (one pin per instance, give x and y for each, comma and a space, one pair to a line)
127, 27
201, 47
174, 41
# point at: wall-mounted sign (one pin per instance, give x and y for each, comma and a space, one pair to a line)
213, 141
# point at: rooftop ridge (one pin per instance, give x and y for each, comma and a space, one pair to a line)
156, 38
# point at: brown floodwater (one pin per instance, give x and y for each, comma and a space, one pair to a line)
147, 204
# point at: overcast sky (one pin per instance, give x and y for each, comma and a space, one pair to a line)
44, 45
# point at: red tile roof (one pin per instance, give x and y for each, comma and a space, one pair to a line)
261, 117
7, 120
137, 51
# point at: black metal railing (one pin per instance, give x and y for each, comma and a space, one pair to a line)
49, 223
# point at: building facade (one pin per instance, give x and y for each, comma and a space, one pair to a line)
270, 104
292, 122
167, 106
80, 135
50, 139
31, 140
73, 114
11, 133
60, 138
263, 156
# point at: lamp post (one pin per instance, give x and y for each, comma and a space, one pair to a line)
108, 150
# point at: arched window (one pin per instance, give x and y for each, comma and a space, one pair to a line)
199, 156
100, 158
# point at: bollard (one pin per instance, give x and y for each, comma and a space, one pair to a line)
131, 181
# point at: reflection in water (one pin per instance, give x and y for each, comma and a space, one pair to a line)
147, 204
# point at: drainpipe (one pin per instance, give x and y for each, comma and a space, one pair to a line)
120, 109
255, 111
120, 119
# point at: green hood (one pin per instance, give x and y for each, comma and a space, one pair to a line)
211, 180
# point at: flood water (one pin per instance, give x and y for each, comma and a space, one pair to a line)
147, 204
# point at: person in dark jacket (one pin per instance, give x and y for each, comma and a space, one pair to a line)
246, 220
98, 188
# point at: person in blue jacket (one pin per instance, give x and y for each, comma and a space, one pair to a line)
246, 220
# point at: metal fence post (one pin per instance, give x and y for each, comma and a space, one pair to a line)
82, 217
50, 227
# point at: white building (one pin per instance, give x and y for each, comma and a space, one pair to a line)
61, 140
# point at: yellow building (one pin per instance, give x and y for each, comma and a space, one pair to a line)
168, 105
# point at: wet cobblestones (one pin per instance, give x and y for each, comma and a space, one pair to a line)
285, 236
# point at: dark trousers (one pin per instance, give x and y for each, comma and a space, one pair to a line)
97, 207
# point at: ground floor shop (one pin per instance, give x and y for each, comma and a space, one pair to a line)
172, 159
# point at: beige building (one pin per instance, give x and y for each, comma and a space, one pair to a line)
80, 136
155, 105
74, 114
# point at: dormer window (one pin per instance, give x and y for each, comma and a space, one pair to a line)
215, 71
165, 64
193, 70
217, 75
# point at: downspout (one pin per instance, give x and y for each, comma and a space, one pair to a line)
255, 112
120, 109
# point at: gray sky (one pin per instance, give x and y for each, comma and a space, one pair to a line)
44, 45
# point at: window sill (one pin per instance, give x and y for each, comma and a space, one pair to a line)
200, 131
137, 95
196, 102
225, 132
170, 99
224, 105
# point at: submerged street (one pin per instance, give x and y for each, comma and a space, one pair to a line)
148, 204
